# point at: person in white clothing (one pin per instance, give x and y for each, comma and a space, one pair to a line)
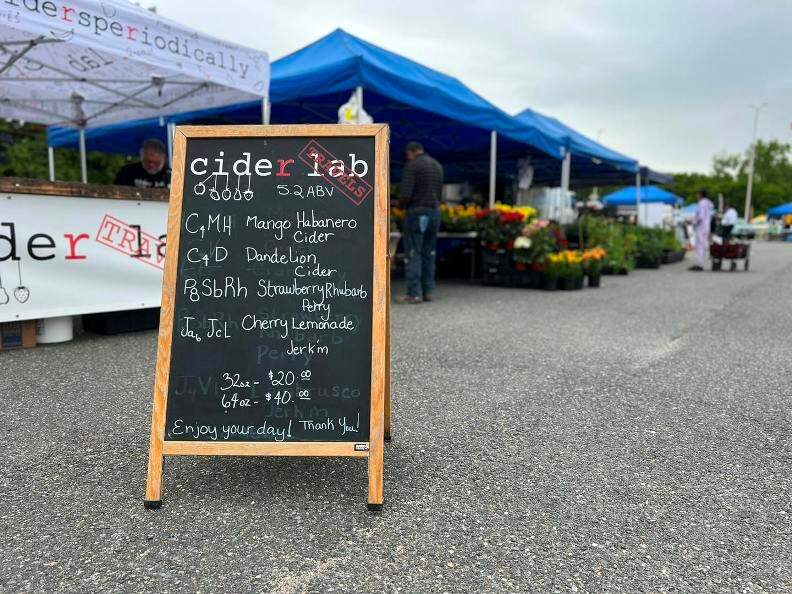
728, 220
701, 228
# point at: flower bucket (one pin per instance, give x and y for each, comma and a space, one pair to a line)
594, 281
570, 283
549, 283
673, 257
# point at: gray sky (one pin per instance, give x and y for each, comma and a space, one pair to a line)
666, 81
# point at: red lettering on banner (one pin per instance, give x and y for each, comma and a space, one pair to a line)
148, 251
73, 245
128, 243
112, 228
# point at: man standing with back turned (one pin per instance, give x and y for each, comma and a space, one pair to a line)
419, 193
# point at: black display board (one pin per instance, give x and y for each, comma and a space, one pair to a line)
272, 333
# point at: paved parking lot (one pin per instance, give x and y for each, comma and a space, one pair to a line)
630, 438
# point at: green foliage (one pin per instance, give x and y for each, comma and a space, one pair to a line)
670, 241
729, 177
618, 241
23, 153
649, 244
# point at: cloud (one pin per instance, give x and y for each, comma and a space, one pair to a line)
668, 82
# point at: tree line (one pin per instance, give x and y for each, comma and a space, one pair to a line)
23, 153
772, 184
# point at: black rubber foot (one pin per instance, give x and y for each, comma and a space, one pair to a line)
374, 507
387, 437
152, 504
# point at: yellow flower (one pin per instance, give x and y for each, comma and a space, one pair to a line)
596, 253
527, 211
458, 211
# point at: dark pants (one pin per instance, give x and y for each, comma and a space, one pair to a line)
726, 232
420, 246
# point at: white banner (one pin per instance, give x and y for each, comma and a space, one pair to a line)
69, 256
108, 61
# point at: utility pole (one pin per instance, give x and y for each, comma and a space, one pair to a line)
751, 162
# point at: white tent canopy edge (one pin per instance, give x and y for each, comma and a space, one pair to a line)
88, 62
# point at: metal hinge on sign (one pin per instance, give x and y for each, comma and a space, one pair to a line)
361, 447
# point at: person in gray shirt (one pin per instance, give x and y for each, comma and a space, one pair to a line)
420, 193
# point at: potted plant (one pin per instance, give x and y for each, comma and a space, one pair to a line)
592, 265
672, 249
550, 274
570, 270
649, 247
456, 218
619, 247
522, 258
498, 229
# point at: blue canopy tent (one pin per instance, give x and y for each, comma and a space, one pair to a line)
588, 158
779, 211
649, 195
455, 124
592, 163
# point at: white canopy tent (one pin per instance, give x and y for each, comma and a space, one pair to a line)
88, 62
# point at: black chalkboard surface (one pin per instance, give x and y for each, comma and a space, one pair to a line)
275, 279
274, 306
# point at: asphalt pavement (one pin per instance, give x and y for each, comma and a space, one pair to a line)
630, 438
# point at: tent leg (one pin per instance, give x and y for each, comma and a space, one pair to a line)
51, 159
265, 111
566, 171
170, 132
83, 163
493, 164
359, 99
638, 197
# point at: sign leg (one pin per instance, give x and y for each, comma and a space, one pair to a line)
153, 498
388, 358
375, 476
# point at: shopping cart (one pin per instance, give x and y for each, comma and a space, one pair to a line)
733, 251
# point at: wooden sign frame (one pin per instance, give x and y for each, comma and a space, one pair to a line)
379, 428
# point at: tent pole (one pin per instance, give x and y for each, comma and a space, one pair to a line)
171, 130
265, 111
83, 163
638, 197
566, 170
359, 99
51, 159
493, 165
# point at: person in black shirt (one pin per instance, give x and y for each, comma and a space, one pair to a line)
150, 172
420, 193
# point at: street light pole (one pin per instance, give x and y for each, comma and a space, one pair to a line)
749, 189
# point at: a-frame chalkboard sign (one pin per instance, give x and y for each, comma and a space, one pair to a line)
274, 331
